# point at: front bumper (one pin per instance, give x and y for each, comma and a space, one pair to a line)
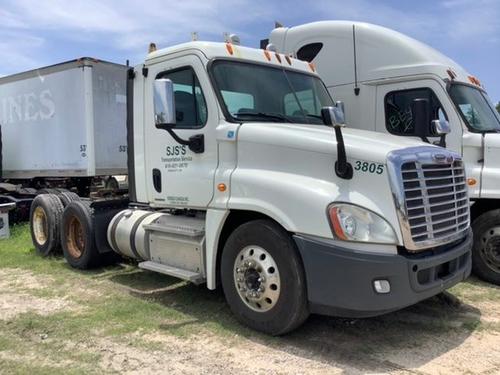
340, 281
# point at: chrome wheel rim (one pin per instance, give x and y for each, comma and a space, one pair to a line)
40, 226
257, 278
490, 251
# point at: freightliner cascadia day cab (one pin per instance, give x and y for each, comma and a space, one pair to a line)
240, 175
378, 73
62, 127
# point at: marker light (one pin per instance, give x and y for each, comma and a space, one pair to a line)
474, 80
452, 74
288, 60
151, 48
471, 181
354, 223
312, 67
221, 187
268, 55
278, 57
229, 48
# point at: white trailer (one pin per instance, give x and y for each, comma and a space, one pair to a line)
378, 73
64, 122
240, 175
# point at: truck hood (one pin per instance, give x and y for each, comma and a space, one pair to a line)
360, 144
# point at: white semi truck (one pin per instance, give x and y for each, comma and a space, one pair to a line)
240, 175
378, 73
62, 128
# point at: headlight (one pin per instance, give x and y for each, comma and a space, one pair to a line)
353, 223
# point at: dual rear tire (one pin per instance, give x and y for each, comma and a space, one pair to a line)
64, 222
45, 223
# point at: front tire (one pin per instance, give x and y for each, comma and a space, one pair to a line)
486, 251
263, 278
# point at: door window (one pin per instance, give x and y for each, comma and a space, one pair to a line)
190, 105
398, 114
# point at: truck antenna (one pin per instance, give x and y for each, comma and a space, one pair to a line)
356, 87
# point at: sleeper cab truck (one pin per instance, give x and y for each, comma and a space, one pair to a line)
240, 175
378, 73
62, 130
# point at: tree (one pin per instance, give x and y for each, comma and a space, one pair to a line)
498, 107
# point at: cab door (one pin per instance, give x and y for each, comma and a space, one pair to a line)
178, 176
394, 110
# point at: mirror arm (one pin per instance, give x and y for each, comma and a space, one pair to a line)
177, 138
442, 141
196, 143
343, 169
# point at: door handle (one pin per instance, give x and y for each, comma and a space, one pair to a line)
157, 179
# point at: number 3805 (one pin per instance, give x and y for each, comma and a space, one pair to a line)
364, 166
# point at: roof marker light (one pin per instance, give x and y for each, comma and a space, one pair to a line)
474, 80
152, 47
267, 54
229, 48
452, 74
312, 67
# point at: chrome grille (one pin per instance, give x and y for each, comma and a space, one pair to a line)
432, 196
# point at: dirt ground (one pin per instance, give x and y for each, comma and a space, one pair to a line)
124, 320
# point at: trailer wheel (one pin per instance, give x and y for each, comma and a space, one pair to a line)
77, 237
486, 251
263, 278
45, 220
67, 197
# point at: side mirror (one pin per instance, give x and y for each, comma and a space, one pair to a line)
334, 116
421, 115
340, 104
164, 103
440, 127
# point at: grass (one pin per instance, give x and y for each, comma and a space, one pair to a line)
123, 303
111, 302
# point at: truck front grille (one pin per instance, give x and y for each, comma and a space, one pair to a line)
436, 199
433, 200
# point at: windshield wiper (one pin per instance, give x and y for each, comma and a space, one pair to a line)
274, 116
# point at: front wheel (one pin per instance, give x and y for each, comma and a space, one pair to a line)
263, 278
486, 251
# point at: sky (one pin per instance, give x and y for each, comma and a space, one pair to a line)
44, 32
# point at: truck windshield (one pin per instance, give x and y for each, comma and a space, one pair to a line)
253, 92
476, 108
